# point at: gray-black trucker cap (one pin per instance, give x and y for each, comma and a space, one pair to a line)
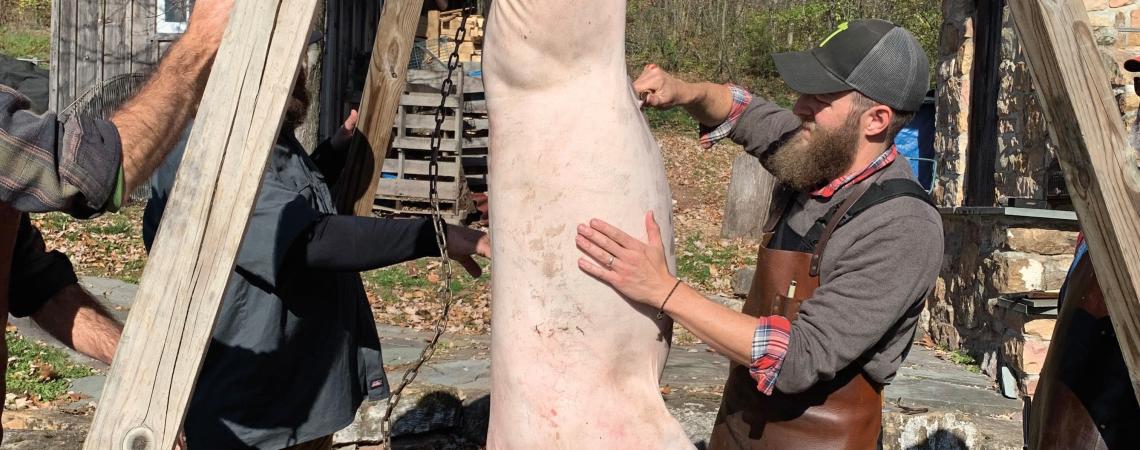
881, 60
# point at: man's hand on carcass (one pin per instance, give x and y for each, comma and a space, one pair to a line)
638, 270
657, 88
462, 242
709, 103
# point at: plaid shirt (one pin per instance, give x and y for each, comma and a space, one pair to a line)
740, 100
75, 167
888, 156
770, 340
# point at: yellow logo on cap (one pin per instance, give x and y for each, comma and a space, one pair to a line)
842, 28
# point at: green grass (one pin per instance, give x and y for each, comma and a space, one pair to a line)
696, 258
961, 358
25, 43
672, 119
116, 225
413, 275
38, 370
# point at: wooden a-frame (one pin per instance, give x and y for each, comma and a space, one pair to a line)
166, 336
168, 330
1100, 165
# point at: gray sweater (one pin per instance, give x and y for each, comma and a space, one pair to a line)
875, 273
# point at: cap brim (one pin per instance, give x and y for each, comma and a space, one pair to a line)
804, 74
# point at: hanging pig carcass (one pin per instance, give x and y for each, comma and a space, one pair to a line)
573, 364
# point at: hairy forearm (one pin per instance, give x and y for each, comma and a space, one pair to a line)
709, 103
78, 320
152, 120
726, 331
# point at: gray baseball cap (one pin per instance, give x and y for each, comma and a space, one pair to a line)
881, 60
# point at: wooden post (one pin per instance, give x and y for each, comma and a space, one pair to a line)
749, 194
387, 72
1099, 165
166, 335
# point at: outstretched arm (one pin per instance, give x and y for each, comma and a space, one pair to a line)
78, 320
709, 103
153, 119
638, 270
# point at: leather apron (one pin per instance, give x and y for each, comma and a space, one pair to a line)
842, 413
9, 227
1084, 398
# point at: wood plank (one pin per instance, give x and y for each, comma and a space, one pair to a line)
749, 195
88, 48
424, 121
416, 189
475, 107
391, 52
435, 79
144, 53
415, 167
423, 143
981, 152
1099, 164
64, 54
161, 350
53, 59
427, 99
428, 122
116, 38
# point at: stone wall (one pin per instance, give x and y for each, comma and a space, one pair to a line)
952, 93
1024, 150
986, 257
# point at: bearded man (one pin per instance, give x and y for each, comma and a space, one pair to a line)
851, 250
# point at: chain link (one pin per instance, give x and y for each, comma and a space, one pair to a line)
444, 290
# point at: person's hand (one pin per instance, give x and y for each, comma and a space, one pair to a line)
462, 242
208, 21
345, 133
657, 88
638, 270
482, 204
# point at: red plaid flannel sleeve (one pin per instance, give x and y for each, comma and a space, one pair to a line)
769, 345
740, 100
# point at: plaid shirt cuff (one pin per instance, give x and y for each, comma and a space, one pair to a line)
769, 345
740, 100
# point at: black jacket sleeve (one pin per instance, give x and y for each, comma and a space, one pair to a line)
37, 274
351, 243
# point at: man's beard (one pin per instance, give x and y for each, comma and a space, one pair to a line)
297, 107
804, 163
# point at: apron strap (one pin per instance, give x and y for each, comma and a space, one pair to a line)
781, 200
857, 192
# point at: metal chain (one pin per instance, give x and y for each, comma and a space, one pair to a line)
444, 290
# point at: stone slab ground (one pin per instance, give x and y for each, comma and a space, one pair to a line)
932, 403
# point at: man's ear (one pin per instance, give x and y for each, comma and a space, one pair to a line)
876, 120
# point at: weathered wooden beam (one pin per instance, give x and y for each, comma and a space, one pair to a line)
387, 73
166, 335
1100, 166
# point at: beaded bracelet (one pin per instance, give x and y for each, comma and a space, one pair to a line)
661, 311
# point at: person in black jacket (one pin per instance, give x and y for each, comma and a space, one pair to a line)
295, 350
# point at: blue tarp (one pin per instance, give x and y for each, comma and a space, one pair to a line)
916, 142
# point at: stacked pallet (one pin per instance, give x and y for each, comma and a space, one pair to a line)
439, 28
462, 163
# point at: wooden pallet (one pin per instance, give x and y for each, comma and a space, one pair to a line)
439, 30
403, 187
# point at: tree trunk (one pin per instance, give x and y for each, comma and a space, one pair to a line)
749, 193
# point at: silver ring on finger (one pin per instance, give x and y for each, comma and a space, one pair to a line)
610, 264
